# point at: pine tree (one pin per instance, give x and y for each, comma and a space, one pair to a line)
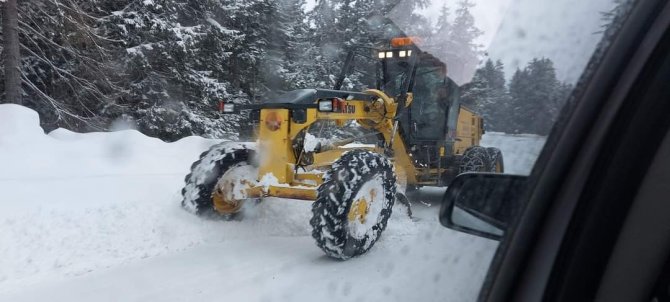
286, 66
326, 49
442, 26
542, 95
536, 97
181, 58
404, 14
500, 111
461, 52
519, 87
487, 95
439, 44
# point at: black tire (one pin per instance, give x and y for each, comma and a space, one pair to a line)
330, 223
497, 164
475, 159
404, 201
410, 189
205, 173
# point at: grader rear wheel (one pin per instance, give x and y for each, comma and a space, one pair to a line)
353, 204
496, 160
480, 159
475, 159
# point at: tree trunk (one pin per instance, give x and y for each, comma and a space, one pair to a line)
10, 21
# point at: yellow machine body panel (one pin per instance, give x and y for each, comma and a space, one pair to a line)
277, 131
274, 136
469, 130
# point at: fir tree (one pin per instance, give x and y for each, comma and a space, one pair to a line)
293, 33
462, 51
443, 26
181, 58
454, 42
404, 14
536, 97
487, 95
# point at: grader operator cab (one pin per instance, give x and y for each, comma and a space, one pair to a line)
424, 138
435, 127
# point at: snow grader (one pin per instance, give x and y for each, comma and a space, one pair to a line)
424, 137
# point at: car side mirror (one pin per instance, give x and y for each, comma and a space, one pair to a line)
482, 204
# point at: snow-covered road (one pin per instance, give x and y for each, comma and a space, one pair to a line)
96, 217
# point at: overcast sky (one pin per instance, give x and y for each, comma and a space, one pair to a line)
488, 14
515, 31
566, 31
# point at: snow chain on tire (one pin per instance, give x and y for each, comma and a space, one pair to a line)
335, 198
495, 158
206, 171
475, 159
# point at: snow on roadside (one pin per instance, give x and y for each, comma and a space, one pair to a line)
71, 203
519, 150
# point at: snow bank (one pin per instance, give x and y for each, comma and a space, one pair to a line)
71, 203
18, 125
519, 150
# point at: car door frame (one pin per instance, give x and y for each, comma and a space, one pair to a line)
524, 268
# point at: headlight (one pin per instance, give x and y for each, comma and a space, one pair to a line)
228, 108
382, 55
326, 105
389, 54
402, 53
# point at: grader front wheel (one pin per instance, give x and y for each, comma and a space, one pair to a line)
230, 191
217, 182
353, 204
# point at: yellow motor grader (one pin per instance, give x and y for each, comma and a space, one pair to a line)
424, 137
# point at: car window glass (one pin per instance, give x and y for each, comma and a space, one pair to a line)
197, 150
530, 57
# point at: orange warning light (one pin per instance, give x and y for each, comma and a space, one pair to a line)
405, 41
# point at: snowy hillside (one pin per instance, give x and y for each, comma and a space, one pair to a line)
96, 217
